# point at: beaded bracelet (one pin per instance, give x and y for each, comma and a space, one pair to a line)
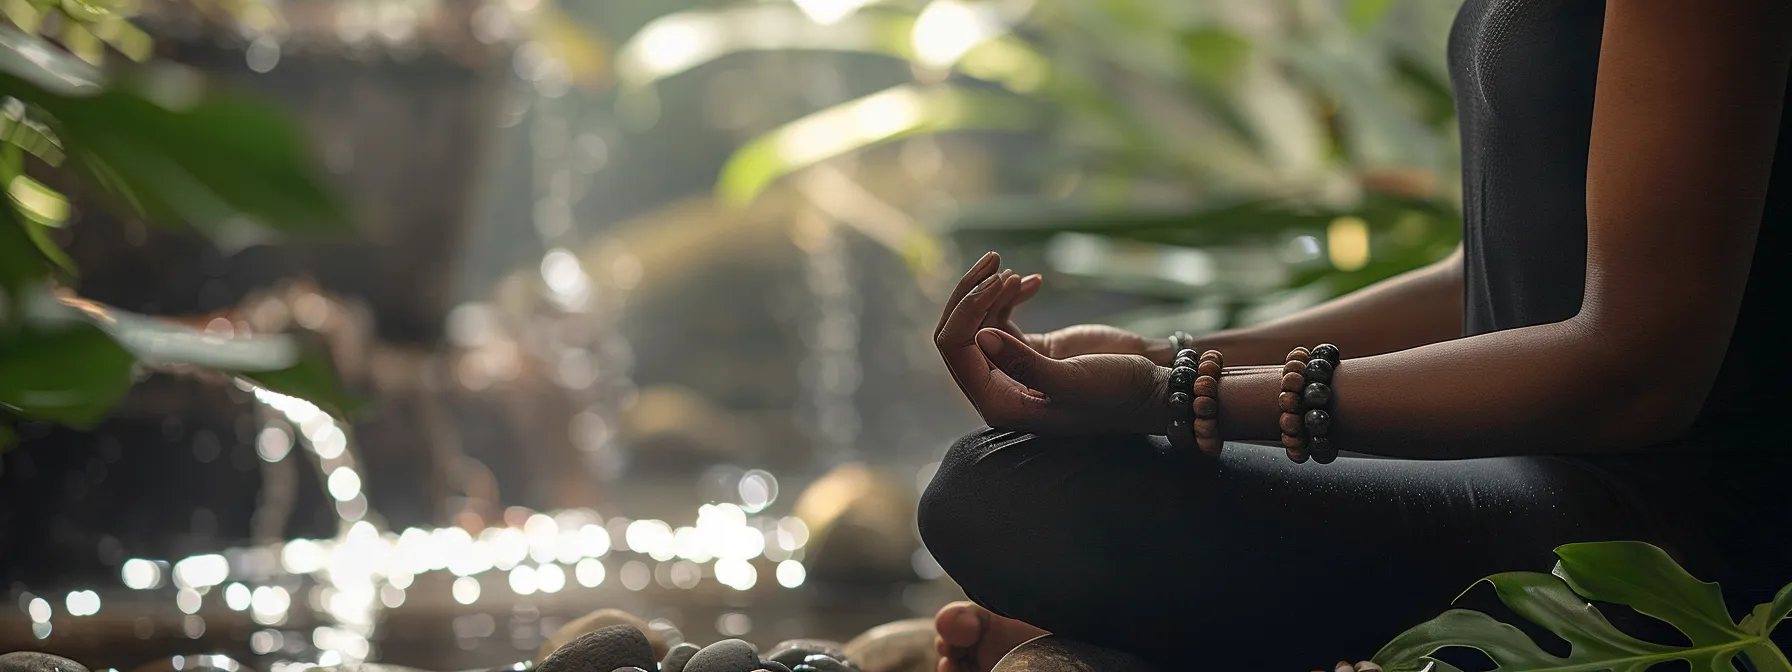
1317, 400
1183, 371
1305, 402
1206, 391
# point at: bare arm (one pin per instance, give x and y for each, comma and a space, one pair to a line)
1419, 307
1685, 121
1684, 125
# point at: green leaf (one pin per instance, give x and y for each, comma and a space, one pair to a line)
1631, 574
279, 362
313, 379
171, 149
1644, 578
67, 372
217, 161
7, 436
22, 260
44, 67
887, 115
1505, 644
1768, 615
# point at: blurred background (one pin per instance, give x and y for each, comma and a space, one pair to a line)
628, 304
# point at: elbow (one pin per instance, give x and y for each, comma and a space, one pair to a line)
1647, 413
1642, 405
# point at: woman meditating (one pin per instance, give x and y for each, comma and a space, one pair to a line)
1598, 361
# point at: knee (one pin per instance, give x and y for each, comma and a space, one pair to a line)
955, 502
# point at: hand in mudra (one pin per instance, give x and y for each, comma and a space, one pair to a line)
1082, 339
1014, 386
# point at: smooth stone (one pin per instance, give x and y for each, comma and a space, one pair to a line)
680, 655
792, 652
1326, 351
606, 649
628, 669
772, 666
900, 646
1051, 653
728, 655
1319, 371
1317, 395
598, 620
382, 667
32, 661
819, 663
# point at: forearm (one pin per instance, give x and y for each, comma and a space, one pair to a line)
1416, 308
1546, 388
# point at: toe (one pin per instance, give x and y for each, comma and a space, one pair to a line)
958, 624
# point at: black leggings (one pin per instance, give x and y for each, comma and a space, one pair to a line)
1255, 563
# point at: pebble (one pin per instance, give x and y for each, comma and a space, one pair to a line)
901, 646
728, 655
794, 652
1058, 654
32, 661
678, 657
598, 620
606, 649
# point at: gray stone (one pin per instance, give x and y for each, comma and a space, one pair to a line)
728, 655
900, 646
1051, 653
32, 661
679, 656
606, 649
791, 652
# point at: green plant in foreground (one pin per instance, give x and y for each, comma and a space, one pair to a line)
1632, 574
163, 147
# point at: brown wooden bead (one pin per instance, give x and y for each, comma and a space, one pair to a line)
1290, 424
1293, 441
1293, 382
1215, 356
1289, 402
1206, 386
1207, 407
1207, 428
1299, 354
1294, 366
1209, 368
1298, 456
1210, 445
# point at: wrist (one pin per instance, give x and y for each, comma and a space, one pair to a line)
1153, 417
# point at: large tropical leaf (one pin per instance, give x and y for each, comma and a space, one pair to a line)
887, 115
170, 148
1632, 574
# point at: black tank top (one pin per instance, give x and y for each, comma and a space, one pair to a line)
1523, 73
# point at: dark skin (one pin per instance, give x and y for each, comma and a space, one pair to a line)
1685, 121
1684, 125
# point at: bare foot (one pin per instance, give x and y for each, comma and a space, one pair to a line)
971, 639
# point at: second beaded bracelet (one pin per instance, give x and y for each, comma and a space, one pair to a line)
1305, 402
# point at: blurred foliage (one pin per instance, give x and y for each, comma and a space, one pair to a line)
1624, 573
158, 145
1218, 124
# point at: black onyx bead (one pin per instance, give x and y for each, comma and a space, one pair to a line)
1317, 395
1323, 451
1182, 402
1318, 423
1319, 371
1182, 378
1188, 354
1326, 351
1182, 363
